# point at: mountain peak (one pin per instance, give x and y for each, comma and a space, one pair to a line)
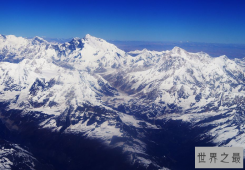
96, 42
91, 38
76, 43
76, 38
38, 39
178, 50
88, 36
224, 57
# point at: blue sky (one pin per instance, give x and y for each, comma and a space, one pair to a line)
212, 21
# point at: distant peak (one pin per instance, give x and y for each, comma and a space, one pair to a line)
224, 57
177, 50
91, 39
39, 39
36, 37
88, 36
75, 43
75, 39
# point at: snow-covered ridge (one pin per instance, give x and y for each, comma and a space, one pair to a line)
89, 52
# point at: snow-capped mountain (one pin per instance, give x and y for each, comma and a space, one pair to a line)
90, 88
195, 87
89, 53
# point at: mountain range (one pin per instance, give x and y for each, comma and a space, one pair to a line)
86, 104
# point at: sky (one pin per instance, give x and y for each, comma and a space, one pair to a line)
211, 21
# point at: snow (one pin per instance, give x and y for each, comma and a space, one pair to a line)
7, 157
105, 131
131, 121
5, 163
